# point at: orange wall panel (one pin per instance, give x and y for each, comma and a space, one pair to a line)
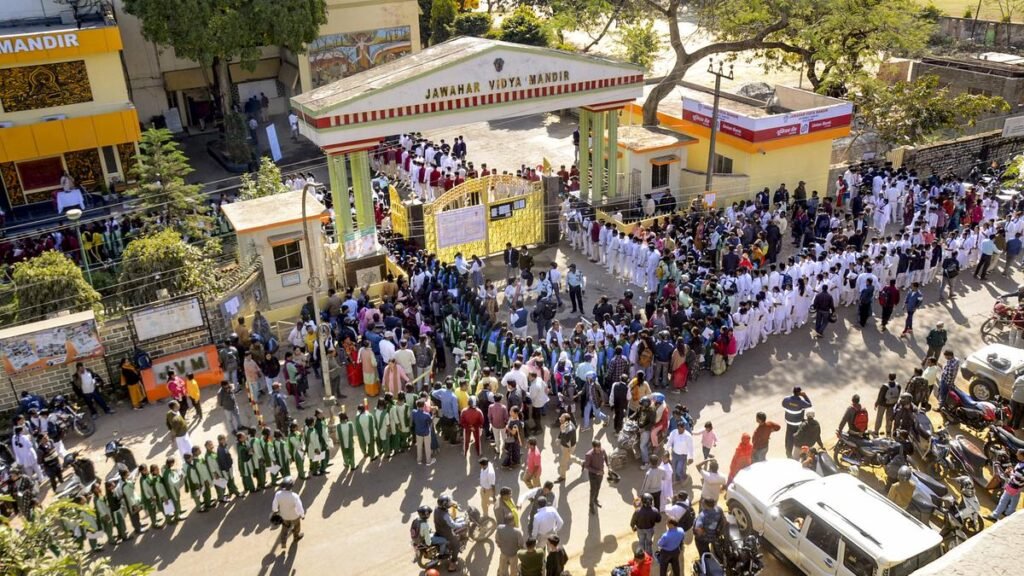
50, 138
79, 133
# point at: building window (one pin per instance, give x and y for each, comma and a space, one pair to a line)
287, 257
723, 165
659, 176
110, 159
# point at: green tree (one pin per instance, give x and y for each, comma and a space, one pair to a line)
214, 32
165, 198
236, 142
266, 181
909, 113
442, 20
523, 26
640, 43
836, 37
45, 547
49, 283
164, 260
425, 7
473, 24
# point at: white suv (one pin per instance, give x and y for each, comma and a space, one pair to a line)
833, 525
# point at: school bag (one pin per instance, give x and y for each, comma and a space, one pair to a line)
860, 420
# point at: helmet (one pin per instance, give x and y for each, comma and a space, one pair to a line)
627, 294
645, 401
903, 474
58, 401
647, 499
424, 512
287, 482
906, 398
444, 501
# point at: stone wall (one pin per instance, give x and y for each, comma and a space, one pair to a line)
957, 156
983, 32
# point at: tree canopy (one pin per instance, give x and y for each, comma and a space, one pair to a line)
212, 32
166, 199
266, 181
163, 260
909, 113
44, 546
523, 26
49, 283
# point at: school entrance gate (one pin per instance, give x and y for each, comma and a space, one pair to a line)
462, 81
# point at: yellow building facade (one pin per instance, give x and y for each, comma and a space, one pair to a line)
64, 107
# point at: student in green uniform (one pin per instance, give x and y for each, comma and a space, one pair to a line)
105, 513
346, 432
154, 494
366, 432
172, 482
297, 449
400, 422
226, 465
194, 483
246, 462
380, 416
314, 447
323, 430
282, 454
216, 474
264, 446
129, 490
86, 524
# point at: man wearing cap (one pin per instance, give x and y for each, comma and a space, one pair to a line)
794, 406
288, 505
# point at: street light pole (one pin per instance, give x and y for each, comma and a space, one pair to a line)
75, 215
322, 331
719, 74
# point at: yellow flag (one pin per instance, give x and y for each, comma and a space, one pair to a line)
547, 166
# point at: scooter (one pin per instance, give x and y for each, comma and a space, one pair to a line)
959, 408
861, 451
969, 461
921, 433
938, 454
962, 518
823, 464
121, 454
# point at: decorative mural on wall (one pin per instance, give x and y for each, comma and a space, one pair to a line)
9, 172
337, 56
84, 166
44, 86
126, 153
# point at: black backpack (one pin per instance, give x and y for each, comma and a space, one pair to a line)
687, 519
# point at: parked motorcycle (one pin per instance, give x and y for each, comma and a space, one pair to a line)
823, 464
962, 517
921, 433
732, 554
966, 459
961, 409
121, 454
627, 446
1001, 439
72, 417
428, 556
856, 450
938, 453
82, 478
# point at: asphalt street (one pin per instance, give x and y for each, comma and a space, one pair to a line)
357, 523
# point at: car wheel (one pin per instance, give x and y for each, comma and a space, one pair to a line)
743, 521
982, 389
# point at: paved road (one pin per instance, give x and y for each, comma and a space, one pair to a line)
357, 522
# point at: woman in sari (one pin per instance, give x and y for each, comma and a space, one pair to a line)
678, 365
352, 368
742, 457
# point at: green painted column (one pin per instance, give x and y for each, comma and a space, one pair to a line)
360, 166
613, 154
584, 161
599, 185
338, 172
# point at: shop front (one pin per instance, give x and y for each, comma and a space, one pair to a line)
66, 121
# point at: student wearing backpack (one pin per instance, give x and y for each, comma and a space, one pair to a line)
950, 270
887, 299
855, 418
888, 396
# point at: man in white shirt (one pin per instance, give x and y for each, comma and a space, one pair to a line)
293, 123
713, 483
515, 376
297, 336
681, 442
288, 505
387, 347
547, 522
487, 480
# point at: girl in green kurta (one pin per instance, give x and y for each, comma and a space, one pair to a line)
323, 429
315, 447
130, 493
198, 479
346, 432
380, 415
102, 507
267, 453
218, 475
246, 462
172, 482
297, 449
154, 494
86, 523
282, 454
366, 432
399, 414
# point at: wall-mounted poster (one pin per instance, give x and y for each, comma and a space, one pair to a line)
48, 343
337, 56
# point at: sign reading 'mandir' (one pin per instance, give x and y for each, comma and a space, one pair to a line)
41, 42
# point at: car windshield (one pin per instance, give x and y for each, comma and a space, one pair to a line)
919, 561
789, 486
